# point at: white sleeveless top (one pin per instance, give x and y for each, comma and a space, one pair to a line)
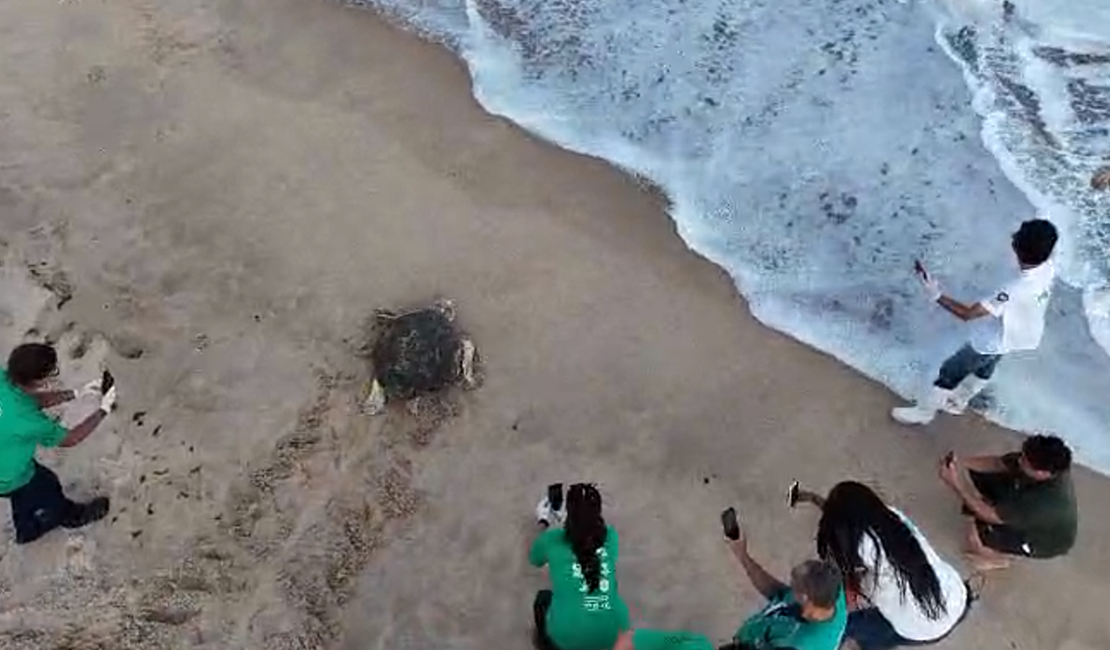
880, 587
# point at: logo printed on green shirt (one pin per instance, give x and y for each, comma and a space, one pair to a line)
598, 600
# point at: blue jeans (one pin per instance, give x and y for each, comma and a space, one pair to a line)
871, 631
966, 361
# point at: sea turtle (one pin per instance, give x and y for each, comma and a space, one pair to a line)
417, 353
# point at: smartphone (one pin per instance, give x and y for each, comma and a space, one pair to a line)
919, 269
106, 382
555, 496
730, 523
949, 458
792, 494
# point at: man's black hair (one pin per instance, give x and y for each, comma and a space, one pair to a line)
1046, 454
31, 362
1034, 241
819, 581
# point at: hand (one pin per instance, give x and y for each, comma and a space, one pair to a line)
108, 401
949, 470
807, 496
89, 389
740, 544
544, 515
931, 286
624, 641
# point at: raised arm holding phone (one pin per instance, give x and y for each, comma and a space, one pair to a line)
38, 503
1010, 321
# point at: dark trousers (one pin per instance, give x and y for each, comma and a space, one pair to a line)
540, 605
40, 506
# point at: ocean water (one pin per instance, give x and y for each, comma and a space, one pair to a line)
814, 150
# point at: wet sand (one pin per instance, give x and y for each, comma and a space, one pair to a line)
214, 198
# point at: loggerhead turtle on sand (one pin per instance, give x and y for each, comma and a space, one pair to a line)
417, 353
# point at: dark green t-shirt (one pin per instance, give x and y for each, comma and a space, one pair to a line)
23, 428
1044, 512
580, 619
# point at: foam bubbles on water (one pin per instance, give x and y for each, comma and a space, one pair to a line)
814, 151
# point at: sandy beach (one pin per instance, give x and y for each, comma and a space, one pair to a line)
213, 198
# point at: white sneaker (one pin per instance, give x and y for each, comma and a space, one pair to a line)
924, 410
957, 402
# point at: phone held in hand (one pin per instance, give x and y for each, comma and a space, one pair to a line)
731, 524
555, 496
949, 458
106, 382
919, 269
793, 493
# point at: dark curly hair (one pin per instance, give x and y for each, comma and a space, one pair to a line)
31, 362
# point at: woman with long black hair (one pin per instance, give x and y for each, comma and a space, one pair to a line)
583, 609
906, 594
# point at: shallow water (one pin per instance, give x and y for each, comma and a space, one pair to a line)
815, 150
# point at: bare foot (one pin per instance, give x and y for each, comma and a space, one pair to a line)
984, 564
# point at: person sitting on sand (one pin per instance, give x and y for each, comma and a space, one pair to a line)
808, 614
1016, 322
905, 593
1021, 504
583, 609
37, 502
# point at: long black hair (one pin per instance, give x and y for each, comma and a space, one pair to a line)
586, 530
853, 510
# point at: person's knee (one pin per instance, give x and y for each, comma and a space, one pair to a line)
951, 374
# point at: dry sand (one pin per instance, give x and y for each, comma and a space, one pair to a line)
213, 196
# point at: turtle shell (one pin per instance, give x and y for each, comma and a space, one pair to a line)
417, 353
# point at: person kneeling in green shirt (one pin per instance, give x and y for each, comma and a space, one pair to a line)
583, 609
808, 614
37, 502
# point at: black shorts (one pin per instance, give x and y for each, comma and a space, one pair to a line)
1004, 539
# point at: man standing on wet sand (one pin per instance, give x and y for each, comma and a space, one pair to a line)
37, 501
1011, 321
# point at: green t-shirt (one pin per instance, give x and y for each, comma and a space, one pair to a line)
669, 640
780, 625
23, 427
579, 619
1044, 512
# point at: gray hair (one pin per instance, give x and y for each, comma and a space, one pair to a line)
820, 582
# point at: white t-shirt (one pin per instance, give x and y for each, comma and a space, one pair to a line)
1018, 311
880, 587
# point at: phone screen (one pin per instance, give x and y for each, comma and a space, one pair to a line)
730, 523
106, 382
555, 496
792, 494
